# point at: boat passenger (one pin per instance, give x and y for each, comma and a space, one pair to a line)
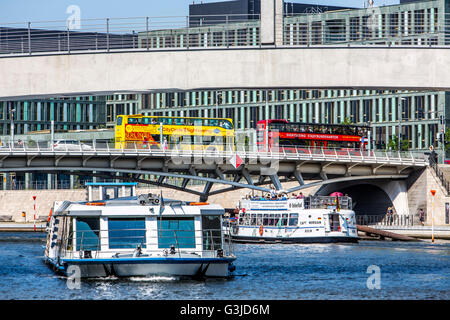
294, 196
300, 196
273, 192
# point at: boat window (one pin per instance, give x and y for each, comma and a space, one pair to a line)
87, 232
293, 219
126, 233
259, 219
253, 220
266, 220
212, 236
284, 220
178, 232
272, 219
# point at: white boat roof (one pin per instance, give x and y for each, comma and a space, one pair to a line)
127, 207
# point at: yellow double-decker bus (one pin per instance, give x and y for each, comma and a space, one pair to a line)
144, 132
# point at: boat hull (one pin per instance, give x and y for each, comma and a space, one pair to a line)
316, 239
93, 268
171, 267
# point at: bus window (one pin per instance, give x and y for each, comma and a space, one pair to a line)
213, 122
119, 121
179, 121
225, 124
132, 121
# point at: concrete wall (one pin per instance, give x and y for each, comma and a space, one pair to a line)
328, 67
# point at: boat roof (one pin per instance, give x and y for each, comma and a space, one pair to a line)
131, 207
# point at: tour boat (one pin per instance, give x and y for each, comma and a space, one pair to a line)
138, 236
311, 219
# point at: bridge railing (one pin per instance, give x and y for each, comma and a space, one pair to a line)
248, 152
136, 33
222, 31
347, 29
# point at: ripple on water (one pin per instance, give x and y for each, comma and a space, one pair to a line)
323, 271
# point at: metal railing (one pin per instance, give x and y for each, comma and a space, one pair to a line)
217, 151
133, 33
440, 175
299, 32
223, 31
384, 220
91, 241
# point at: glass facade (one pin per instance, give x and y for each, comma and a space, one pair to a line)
415, 113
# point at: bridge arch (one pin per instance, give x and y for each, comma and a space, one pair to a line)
372, 197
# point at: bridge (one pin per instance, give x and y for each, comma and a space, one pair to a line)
233, 168
212, 68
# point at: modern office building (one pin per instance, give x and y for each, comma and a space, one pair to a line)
217, 12
409, 115
76, 113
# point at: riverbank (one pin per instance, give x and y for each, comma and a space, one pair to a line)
22, 227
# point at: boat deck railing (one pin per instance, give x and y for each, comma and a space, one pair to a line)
100, 243
312, 202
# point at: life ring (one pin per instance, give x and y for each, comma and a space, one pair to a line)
261, 230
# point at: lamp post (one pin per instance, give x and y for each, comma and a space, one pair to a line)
400, 116
11, 117
218, 94
442, 139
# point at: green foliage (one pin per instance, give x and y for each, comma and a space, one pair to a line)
393, 144
347, 121
447, 139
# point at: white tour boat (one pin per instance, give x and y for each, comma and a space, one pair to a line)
312, 219
138, 236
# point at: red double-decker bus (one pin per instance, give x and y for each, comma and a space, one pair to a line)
291, 136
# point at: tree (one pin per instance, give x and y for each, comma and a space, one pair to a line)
347, 121
393, 144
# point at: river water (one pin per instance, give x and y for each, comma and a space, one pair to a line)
368, 270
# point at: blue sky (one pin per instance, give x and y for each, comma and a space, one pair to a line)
44, 10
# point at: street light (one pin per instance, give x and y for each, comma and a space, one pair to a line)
11, 117
400, 116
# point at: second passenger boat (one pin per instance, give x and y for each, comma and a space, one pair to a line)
312, 219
